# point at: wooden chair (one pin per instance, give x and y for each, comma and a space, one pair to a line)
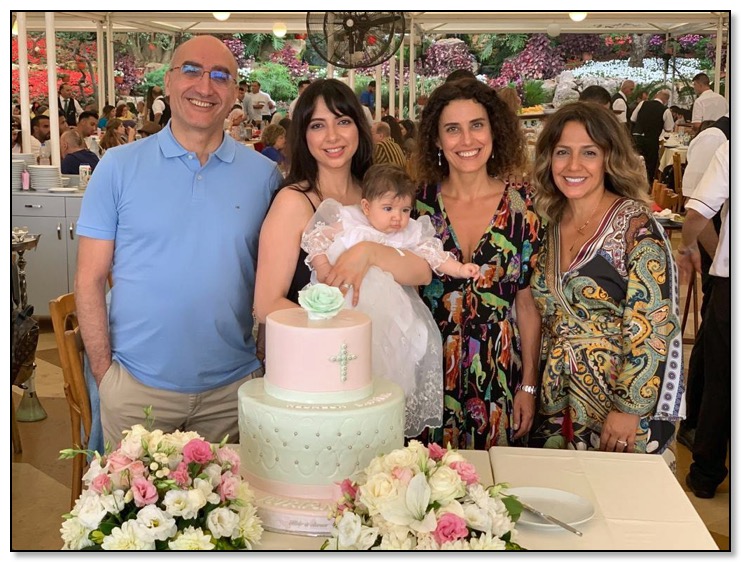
677, 167
69, 344
691, 298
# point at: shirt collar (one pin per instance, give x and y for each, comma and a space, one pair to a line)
171, 148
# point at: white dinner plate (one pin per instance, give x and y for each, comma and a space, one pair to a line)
62, 189
569, 508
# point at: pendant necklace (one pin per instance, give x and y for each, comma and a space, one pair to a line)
580, 229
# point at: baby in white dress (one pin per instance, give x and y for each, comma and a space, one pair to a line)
407, 346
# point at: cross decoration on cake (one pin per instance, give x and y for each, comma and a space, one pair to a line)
343, 358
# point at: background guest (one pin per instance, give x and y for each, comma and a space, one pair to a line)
274, 141
469, 139
385, 150
74, 152
606, 286
650, 120
596, 94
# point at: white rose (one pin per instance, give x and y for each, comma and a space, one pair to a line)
452, 456
423, 456
191, 539
75, 535
89, 509
379, 489
223, 522
154, 439
161, 524
131, 444
453, 507
403, 458
487, 542
446, 485
348, 531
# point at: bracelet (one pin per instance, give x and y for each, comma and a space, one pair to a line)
529, 388
685, 251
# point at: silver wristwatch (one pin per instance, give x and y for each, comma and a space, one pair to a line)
529, 388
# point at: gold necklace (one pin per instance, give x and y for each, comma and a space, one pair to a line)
580, 229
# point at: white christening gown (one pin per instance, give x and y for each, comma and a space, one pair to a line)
407, 346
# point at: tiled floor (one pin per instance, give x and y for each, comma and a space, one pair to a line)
40, 482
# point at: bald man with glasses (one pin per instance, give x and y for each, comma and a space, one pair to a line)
176, 218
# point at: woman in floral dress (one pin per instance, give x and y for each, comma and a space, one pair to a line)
606, 285
468, 140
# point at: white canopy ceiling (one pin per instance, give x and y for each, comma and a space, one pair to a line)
675, 23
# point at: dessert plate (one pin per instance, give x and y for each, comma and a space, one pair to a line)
569, 508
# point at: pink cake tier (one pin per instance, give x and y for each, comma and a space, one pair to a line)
318, 361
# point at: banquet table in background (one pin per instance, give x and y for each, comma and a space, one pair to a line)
638, 503
668, 155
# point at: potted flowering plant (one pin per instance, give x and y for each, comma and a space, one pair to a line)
118, 76
162, 491
423, 498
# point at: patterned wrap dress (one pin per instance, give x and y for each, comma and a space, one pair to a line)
611, 334
481, 342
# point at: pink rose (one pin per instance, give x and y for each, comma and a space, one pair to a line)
101, 483
436, 451
144, 492
227, 455
197, 450
466, 471
450, 527
347, 488
403, 475
180, 475
117, 462
229, 486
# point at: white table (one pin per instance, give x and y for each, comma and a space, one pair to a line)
638, 502
668, 156
639, 505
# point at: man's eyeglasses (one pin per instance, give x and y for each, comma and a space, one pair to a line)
194, 72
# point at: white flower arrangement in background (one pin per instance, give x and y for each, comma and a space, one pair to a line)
163, 491
423, 498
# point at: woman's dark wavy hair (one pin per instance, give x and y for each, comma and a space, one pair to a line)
624, 173
508, 141
340, 100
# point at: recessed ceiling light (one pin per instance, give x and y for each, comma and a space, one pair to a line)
577, 16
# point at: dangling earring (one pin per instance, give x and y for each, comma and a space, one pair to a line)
439, 158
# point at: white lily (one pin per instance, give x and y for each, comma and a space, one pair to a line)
411, 509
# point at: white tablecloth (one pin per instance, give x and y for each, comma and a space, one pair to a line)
667, 157
639, 505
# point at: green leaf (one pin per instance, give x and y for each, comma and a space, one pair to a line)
513, 505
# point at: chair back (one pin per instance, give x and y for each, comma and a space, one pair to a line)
69, 344
677, 165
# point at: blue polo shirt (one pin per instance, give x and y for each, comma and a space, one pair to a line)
185, 253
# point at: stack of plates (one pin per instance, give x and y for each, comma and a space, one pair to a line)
15, 174
45, 177
27, 157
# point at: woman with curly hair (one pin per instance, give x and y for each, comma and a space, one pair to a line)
115, 134
469, 143
606, 285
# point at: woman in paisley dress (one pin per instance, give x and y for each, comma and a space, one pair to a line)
606, 286
469, 141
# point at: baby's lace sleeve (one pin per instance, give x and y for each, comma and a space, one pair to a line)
321, 230
428, 246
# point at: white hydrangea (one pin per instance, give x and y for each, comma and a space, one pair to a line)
191, 539
129, 536
75, 535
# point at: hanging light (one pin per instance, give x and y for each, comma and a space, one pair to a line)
279, 29
578, 16
553, 30
221, 16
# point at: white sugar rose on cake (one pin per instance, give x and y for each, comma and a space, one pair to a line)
318, 416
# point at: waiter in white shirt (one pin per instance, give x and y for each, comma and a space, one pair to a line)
258, 104
709, 105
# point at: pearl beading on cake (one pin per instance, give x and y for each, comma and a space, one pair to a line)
343, 358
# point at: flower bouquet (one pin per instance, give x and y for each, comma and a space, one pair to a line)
162, 491
423, 498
